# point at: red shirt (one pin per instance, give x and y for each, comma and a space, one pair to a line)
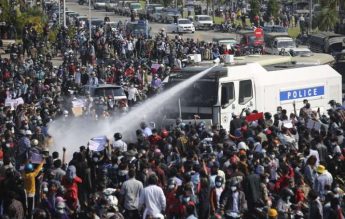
71, 194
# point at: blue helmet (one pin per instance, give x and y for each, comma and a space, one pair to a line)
29, 167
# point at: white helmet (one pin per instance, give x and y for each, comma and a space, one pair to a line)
242, 146
34, 142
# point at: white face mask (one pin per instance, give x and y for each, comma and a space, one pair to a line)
218, 184
267, 180
171, 186
186, 199
233, 188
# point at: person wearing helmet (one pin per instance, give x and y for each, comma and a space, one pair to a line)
118, 143
272, 213
215, 194
29, 178
229, 197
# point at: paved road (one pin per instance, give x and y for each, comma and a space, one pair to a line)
84, 10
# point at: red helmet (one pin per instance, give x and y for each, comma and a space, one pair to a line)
164, 133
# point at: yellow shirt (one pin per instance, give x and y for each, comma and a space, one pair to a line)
29, 181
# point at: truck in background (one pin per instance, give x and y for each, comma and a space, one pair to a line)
275, 43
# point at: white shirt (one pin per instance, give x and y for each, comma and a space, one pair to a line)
147, 132
130, 46
121, 145
132, 93
77, 78
154, 200
235, 197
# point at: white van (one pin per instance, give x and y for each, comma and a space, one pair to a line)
278, 42
230, 89
203, 22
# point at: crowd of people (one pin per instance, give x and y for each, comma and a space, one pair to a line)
274, 167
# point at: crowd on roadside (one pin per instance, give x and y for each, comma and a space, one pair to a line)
274, 167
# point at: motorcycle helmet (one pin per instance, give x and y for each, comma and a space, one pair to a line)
219, 181
28, 168
272, 212
164, 133
117, 136
171, 183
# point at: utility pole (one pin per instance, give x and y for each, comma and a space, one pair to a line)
59, 12
90, 21
310, 15
213, 10
64, 13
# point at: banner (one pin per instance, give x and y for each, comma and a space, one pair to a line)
36, 158
97, 143
13, 103
254, 117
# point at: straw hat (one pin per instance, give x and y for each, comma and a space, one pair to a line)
320, 169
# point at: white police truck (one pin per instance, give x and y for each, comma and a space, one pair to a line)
228, 89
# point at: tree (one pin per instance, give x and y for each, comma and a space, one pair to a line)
327, 19
167, 3
254, 9
272, 9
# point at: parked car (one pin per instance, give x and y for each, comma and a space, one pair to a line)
204, 22
111, 5
182, 26
157, 14
274, 29
82, 21
96, 22
123, 8
148, 10
99, 4
170, 15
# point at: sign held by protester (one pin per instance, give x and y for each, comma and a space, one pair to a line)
97, 143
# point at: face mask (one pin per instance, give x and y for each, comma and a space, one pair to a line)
218, 184
95, 159
186, 199
267, 180
171, 186
273, 156
233, 188
8, 145
288, 198
250, 157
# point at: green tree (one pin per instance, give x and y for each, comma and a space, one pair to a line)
327, 19
272, 9
254, 9
167, 3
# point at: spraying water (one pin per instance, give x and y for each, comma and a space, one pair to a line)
76, 132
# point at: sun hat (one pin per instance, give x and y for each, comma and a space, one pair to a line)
320, 169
